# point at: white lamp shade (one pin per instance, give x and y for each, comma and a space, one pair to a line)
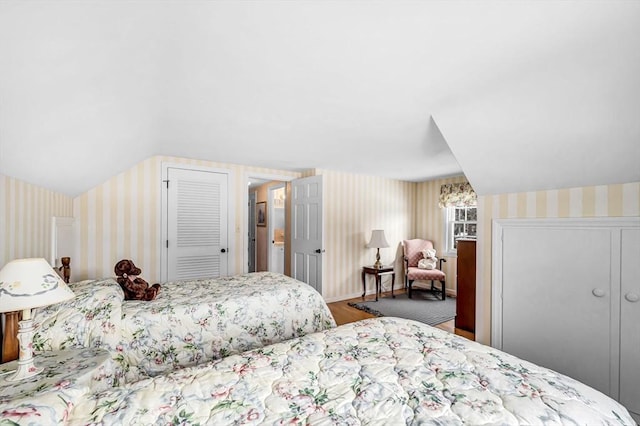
31, 283
377, 239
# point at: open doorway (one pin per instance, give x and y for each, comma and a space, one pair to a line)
251, 226
276, 227
266, 224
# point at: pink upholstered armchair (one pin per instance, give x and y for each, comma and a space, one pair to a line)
412, 255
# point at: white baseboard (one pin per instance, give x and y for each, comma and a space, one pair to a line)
344, 297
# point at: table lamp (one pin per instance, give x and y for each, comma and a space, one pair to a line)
377, 241
26, 284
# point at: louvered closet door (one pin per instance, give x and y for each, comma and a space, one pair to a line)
197, 224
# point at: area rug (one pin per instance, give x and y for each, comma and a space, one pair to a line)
423, 307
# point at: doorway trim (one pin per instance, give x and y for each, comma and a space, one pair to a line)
231, 212
245, 207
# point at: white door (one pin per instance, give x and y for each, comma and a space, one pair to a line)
196, 224
62, 239
630, 321
557, 293
306, 233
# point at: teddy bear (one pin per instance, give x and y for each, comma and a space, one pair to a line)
134, 288
430, 260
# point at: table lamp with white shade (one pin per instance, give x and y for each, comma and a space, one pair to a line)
26, 284
378, 241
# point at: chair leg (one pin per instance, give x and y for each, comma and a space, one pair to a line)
442, 289
410, 283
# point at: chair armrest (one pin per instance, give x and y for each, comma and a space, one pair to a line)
442, 260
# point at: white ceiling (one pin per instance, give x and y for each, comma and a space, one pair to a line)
526, 95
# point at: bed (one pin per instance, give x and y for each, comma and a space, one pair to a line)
377, 371
189, 322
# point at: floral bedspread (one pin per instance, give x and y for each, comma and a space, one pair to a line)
379, 371
190, 322
48, 397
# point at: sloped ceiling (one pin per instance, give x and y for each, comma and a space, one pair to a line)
517, 95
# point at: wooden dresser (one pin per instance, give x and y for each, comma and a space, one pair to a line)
466, 290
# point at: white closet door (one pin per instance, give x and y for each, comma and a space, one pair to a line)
197, 224
557, 293
630, 321
62, 239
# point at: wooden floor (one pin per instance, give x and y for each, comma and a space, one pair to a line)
343, 314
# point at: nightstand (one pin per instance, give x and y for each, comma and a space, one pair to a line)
82, 369
378, 272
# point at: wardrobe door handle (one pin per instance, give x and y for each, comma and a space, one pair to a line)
598, 292
632, 297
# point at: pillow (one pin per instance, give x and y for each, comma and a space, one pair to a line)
91, 319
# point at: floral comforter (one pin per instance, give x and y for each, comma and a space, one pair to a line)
378, 371
190, 322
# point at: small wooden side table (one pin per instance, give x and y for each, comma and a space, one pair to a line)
378, 272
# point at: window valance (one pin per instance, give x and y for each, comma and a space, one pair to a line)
457, 195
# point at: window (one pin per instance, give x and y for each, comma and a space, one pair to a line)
459, 202
460, 222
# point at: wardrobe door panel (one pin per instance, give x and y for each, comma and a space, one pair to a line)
556, 292
630, 320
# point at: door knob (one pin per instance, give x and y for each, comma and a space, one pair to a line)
223, 250
598, 292
319, 251
632, 297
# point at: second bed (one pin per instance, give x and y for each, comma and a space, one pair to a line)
189, 322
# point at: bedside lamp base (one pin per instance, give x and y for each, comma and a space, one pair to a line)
378, 264
26, 367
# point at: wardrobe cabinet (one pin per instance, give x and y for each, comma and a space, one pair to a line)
466, 286
566, 295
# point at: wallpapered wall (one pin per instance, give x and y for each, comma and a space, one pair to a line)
120, 219
592, 201
429, 223
25, 219
353, 206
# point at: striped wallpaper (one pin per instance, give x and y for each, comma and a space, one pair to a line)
353, 206
120, 219
25, 219
593, 201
